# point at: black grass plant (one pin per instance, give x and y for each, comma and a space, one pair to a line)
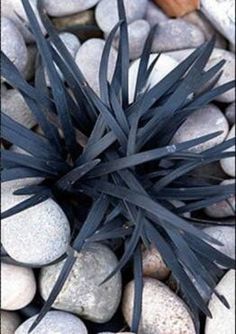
113, 159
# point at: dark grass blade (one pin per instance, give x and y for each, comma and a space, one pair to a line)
20, 173
66, 269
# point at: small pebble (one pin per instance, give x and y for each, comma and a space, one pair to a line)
13, 44
18, 287
177, 34
154, 14
228, 164
54, 322
78, 19
230, 113
153, 264
106, 12
203, 122
89, 64
36, 236
163, 312
82, 293
9, 322
67, 7
223, 319
224, 208
14, 106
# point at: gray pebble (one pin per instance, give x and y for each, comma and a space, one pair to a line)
36, 236
228, 164
67, 7
18, 287
106, 12
153, 264
13, 44
54, 322
230, 113
203, 122
176, 34
88, 60
82, 293
223, 319
14, 106
163, 312
154, 14
9, 322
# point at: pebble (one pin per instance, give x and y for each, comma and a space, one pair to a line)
138, 32
153, 264
154, 14
106, 12
29, 70
89, 65
221, 14
224, 208
18, 287
9, 322
163, 312
13, 44
67, 7
14, 106
223, 319
203, 122
230, 113
176, 34
35, 236
163, 66
78, 19
82, 293
54, 322
228, 164
13, 9
224, 234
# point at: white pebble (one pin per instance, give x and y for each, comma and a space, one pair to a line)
9, 322
228, 164
67, 7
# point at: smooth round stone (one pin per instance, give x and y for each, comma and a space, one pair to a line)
54, 322
163, 312
228, 164
14, 10
14, 106
153, 264
224, 208
203, 122
230, 113
82, 293
67, 7
154, 14
224, 234
13, 44
221, 14
176, 34
88, 59
223, 319
163, 66
138, 32
18, 287
36, 236
106, 12
9, 322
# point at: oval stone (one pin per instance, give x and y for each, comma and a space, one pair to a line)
9, 322
67, 7
228, 164
153, 264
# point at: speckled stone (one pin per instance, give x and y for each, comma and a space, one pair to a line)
67, 7
177, 34
163, 312
153, 264
224, 208
14, 106
106, 12
13, 44
89, 63
36, 236
154, 14
55, 322
223, 319
230, 113
203, 122
228, 164
163, 66
82, 293
9, 322
18, 287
